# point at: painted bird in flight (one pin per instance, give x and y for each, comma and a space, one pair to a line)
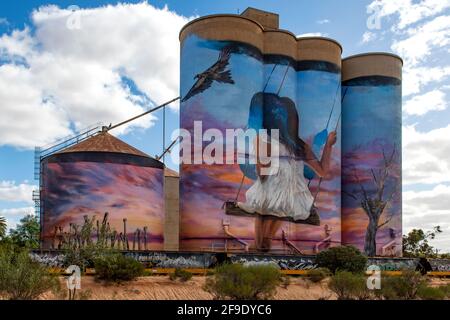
216, 72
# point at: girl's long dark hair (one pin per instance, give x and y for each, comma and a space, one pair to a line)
270, 111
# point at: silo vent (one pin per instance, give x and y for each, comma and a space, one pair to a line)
267, 19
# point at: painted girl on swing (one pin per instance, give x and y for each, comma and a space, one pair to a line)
282, 194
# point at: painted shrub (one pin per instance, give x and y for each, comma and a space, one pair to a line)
79, 185
371, 165
250, 90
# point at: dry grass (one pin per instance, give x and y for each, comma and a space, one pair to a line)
162, 288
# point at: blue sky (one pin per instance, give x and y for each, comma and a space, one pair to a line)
55, 80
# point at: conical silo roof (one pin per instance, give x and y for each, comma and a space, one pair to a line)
104, 142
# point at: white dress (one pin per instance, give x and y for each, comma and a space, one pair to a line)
284, 192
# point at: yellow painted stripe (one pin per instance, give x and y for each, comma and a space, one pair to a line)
439, 273
389, 273
199, 271
295, 272
172, 270
56, 270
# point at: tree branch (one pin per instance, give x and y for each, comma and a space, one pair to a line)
374, 178
350, 195
386, 221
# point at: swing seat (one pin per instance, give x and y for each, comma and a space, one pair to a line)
232, 209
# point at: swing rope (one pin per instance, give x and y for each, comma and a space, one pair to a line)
270, 75
240, 187
332, 108
328, 121
337, 124
282, 81
264, 90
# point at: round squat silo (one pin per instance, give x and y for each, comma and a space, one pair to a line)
221, 70
104, 191
371, 153
319, 107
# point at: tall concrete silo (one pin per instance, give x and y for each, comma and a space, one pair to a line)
371, 153
319, 105
102, 189
242, 72
229, 49
279, 93
172, 209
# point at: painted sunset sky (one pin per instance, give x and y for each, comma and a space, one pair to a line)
204, 188
372, 120
75, 189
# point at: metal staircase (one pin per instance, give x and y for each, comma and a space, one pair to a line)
42, 152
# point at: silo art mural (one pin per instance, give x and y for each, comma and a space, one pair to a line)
108, 198
371, 164
232, 85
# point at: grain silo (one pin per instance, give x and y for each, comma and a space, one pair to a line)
279, 102
102, 190
172, 210
241, 72
229, 45
371, 153
319, 105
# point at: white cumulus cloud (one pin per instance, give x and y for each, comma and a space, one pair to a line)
408, 11
312, 34
421, 36
13, 192
414, 79
13, 215
424, 40
323, 21
426, 156
426, 209
427, 42
421, 104
368, 36
121, 60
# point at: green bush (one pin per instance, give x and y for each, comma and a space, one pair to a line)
343, 258
349, 286
431, 293
402, 287
117, 267
239, 282
81, 257
181, 274
21, 278
317, 275
26, 234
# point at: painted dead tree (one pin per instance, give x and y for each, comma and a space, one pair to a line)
375, 201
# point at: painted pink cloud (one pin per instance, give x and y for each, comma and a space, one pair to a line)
75, 189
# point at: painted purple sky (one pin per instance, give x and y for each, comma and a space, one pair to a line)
204, 188
74, 189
